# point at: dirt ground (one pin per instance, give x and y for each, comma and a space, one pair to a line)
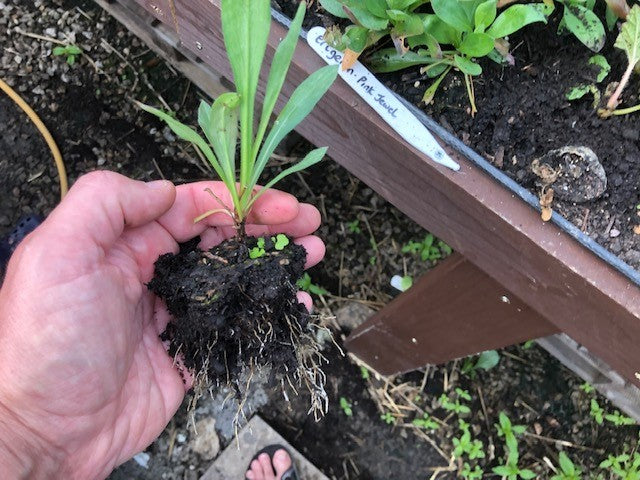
88, 108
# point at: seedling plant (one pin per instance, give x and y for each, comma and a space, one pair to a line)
70, 52
235, 305
567, 471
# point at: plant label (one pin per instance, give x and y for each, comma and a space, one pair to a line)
383, 101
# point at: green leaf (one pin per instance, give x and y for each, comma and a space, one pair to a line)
517, 16
302, 101
566, 464
57, 51
629, 38
467, 66
389, 60
430, 92
406, 283
406, 25
277, 74
245, 25
311, 159
585, 25
281, 241
220, 125
441, 31
485, 14
367, 20
73, 50
476, 44
601, 62
452, 13
187, 133
488, 360
399, 4
334, 7
356, 38
526, 474
377, 7
503, 470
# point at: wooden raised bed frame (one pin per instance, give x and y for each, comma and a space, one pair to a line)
513, 278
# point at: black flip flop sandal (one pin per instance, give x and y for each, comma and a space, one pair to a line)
290, 474
9, 243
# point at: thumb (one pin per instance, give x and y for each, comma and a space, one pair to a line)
101, 204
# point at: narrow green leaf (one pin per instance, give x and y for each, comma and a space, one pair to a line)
585, 25
467, 66
389, 60
222, 130
526, 474
277, 74
245, 25
311, 159
302, 101
187, 133
334, 7
430, 92
566, 464
476, 44
517, 16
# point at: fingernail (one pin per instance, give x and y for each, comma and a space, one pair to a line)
158, 184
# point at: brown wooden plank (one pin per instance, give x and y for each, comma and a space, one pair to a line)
453, 311
543, 266
160, 9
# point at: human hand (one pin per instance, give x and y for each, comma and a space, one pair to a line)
87, 382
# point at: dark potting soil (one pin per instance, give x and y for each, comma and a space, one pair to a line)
231, 312
523, 114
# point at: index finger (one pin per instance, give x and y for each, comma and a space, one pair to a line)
192, 200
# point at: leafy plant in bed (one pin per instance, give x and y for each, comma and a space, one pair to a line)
234, 306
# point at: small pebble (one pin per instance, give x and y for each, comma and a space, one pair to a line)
614, 233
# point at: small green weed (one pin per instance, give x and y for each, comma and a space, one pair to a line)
587, 388
388, 418
426, 422
354, 227
596, 412
568, 471
70, 52
257, 251
307, 285
280, 241
625, 466
619, 419
345, 405
429, 249
456, 406
465, 445
485, 361
364, 373
469, 474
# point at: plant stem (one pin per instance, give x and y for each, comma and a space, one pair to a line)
615, 98
242, 232
468, 79
625, 111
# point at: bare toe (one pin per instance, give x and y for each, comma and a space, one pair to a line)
281, 463
267, 467
255, 472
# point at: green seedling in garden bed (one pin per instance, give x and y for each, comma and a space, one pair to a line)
345, 405
388, 418
508, 431
354, 227
580, 91
426, 422
568, 471
510, 469
465, 445
456, 406
625, 466
619, 419
485, 361
429, 249
307, 285
471, 29
364, 373
70, 52
587, 388
468, 474
596, 412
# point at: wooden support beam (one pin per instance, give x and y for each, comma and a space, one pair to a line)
453, 311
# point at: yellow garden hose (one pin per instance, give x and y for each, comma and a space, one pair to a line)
57, 156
